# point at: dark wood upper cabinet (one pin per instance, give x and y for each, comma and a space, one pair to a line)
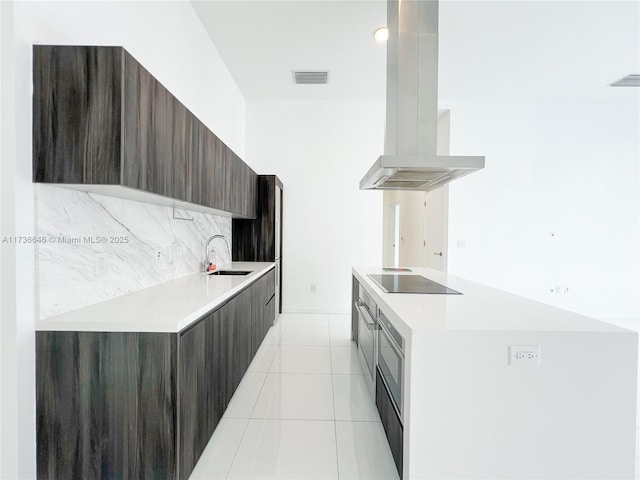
241, 183
148, 134
206, 161
77, 123
101, 119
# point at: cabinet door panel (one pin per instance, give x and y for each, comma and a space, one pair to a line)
105, 405
354, 311
77, 107
240, 186
240, 340
193, 398
390, 421
234, 325
269, 314
263, 308
148, 124
180, 150
205, 184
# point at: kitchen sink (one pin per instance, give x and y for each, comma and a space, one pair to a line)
230, 272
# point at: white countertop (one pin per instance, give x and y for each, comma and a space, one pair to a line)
479, 308
167, 307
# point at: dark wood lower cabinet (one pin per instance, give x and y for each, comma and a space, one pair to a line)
390, 422
127, 405
234, 331
193, 385
263, 309
355, 295
106, 405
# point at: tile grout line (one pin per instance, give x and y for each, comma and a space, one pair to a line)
254, 406
235, 454
333, 398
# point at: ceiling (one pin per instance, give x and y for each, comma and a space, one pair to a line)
498, 51
263, 41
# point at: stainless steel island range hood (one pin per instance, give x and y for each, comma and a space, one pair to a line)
410, 161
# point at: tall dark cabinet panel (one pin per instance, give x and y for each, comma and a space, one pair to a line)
105, 405
101, 119
257, 240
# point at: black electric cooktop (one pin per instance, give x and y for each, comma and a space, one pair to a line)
393, 283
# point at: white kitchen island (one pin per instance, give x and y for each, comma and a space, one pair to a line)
470, 412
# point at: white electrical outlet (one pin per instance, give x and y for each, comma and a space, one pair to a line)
100, 264
527, 355
157, 256
313, 288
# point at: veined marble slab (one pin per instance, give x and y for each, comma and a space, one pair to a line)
75, 224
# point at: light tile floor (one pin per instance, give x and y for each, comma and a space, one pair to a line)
302, 411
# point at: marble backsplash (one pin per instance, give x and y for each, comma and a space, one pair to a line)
95, 247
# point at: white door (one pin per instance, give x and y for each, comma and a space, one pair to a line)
436, 208
411, 229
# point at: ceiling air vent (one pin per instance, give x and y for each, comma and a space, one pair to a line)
628, 81
306, 77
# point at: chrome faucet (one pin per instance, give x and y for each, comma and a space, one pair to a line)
206, 249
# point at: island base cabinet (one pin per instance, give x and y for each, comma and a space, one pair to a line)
390, 422
105, 405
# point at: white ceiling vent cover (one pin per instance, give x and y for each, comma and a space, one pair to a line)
628, 81
308, 77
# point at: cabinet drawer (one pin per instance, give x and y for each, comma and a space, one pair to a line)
390, 421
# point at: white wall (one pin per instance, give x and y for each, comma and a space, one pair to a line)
320, 150
9, 404
169, 40
556, 205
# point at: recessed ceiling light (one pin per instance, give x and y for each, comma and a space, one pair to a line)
381, 34
628, 81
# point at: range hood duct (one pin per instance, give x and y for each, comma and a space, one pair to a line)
410, 160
